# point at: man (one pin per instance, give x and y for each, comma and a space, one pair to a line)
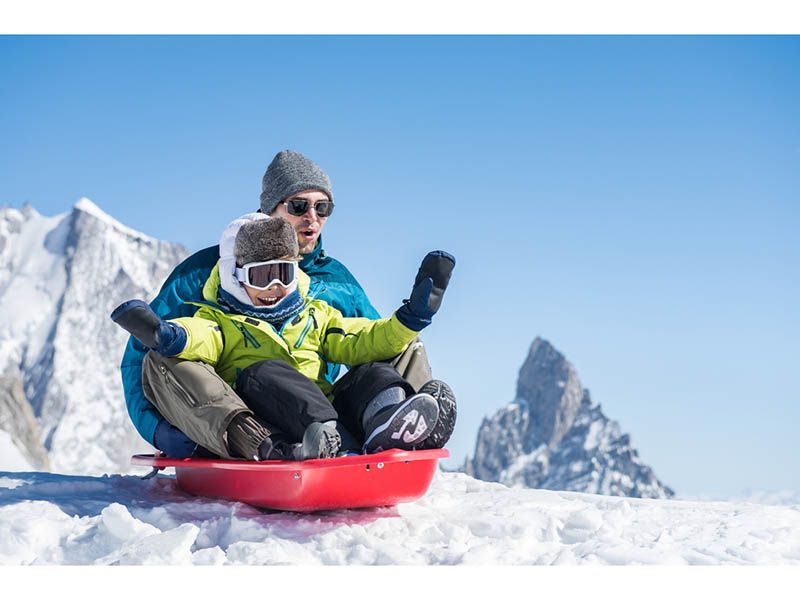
295, 188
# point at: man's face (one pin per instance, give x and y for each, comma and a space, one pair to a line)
309, 225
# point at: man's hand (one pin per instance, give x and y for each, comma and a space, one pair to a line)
429, 287
137, 318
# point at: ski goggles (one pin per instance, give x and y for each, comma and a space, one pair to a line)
263, 275
299, 206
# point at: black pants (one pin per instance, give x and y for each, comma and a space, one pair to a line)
289, 401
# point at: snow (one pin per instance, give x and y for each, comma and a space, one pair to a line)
11, 458
32, 277
87, 206
594, 435
49, 519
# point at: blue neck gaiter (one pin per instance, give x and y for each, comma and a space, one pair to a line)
290, 306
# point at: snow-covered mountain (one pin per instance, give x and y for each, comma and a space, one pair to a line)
60, 277
553, 436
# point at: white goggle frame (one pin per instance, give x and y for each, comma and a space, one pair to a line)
243, 274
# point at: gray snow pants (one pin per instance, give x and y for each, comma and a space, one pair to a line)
193, 398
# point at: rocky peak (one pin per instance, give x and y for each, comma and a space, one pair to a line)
554, 436
552, 392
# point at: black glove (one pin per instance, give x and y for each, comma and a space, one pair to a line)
429, 286
137, 318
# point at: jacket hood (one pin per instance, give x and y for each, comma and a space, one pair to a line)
227, 259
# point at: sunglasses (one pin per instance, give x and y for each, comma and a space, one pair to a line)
300, 206
262, 275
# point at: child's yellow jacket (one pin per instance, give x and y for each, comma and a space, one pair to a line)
231, 342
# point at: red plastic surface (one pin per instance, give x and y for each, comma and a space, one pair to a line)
382, 479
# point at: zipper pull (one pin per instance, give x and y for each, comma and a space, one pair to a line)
313, 318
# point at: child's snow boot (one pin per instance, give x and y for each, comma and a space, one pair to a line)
350, 445
446, 399
246, 436
403, 424
320, 440
275, 447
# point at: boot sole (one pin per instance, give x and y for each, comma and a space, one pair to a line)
409, 425
446, 400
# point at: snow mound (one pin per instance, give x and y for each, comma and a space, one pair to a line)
48, 519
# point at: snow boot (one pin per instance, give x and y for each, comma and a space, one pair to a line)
404, 425
320, 440
350, 445
246, 436
446, 399
275, 447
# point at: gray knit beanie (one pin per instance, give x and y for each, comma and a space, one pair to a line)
289, 173
265, 239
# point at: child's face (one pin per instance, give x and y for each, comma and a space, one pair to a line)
272, 295
269, 297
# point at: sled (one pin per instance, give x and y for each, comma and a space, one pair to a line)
366, 480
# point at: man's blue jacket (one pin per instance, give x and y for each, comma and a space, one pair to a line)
185, 284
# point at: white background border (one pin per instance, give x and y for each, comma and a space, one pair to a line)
398, 17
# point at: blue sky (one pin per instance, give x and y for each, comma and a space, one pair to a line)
633, 200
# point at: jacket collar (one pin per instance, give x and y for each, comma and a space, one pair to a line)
308, 260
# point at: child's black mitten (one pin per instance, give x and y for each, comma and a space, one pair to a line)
429, 287
137, 318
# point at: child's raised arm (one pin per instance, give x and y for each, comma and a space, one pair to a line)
357, 341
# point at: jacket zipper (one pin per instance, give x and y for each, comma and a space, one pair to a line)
311, 319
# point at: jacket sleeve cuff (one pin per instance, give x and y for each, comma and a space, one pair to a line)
405, 333
174, 339
410, 320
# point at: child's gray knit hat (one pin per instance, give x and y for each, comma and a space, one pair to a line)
265, 239
289, 173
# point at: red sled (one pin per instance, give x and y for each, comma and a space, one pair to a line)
384, 479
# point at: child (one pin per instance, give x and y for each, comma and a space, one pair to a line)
264, 333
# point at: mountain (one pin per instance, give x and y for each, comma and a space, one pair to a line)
554, 436
60, 277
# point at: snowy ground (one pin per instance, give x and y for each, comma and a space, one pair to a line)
49, 519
